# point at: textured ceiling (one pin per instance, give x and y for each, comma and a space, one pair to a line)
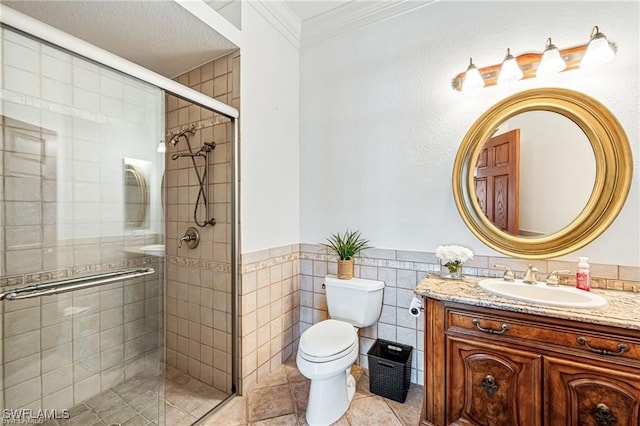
163, 36
159, 35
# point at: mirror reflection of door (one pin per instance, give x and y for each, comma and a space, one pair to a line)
556, 174
497, 181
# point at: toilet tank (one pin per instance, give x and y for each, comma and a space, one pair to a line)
357, 301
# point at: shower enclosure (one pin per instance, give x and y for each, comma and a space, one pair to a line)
96, 325
199, 297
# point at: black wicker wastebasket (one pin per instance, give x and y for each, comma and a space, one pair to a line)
390, 369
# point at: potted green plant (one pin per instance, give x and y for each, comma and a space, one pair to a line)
346, 246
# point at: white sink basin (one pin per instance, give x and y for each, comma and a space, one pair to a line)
543, 294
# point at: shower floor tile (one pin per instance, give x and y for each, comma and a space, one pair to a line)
281, 399
135, 403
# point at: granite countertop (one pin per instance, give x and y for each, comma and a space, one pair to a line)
623, 309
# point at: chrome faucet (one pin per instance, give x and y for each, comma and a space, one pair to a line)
531, 276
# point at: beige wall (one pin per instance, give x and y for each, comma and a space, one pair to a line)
199, 286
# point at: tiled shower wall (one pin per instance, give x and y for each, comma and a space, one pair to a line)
199, 292
66, 127
61, 350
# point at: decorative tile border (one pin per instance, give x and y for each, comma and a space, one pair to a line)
39, 277
269, 262
199, 263
217, 119
428, 262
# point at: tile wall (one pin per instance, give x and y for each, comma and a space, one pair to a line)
61, 350
66, 127
400, 270
269, 311
199, 292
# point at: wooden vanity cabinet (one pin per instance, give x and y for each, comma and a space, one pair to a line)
487, 367
578, 394
491, 384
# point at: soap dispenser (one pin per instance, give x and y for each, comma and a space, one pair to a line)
583, 280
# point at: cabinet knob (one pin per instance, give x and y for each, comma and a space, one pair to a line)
603, 415
489, 384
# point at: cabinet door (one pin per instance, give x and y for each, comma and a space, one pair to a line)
577, 394
492, 385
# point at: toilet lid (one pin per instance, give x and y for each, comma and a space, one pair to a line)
328, 339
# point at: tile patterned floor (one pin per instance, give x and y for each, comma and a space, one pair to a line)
135, 403
281, 399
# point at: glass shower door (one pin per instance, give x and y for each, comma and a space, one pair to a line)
81, 240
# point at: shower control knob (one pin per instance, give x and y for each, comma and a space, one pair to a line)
191, 237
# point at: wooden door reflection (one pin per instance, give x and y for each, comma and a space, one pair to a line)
497, 180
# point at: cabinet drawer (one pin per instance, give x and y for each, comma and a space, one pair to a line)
505, 327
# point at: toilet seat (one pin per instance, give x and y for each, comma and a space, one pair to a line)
327, 340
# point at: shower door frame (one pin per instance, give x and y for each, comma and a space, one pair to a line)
52, 36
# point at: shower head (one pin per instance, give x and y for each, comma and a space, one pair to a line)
174, 140
176, 137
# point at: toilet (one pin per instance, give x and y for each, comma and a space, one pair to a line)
328, 349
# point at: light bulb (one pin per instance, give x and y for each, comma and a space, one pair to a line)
472, 78
162, 148
510, 71
598, 51
551, 62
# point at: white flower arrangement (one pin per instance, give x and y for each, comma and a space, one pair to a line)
453, 256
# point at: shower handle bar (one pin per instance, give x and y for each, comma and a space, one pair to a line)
71, 284
186, 154
206, 188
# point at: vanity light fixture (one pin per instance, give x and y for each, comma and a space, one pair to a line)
551, 62
472, 78
510, 71
599, 50
527, 65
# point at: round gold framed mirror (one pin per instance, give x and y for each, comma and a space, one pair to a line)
483, 202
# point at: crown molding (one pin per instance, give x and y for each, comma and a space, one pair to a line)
281, 17
353, 16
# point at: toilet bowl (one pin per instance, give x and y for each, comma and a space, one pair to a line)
326, 353
328, 349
